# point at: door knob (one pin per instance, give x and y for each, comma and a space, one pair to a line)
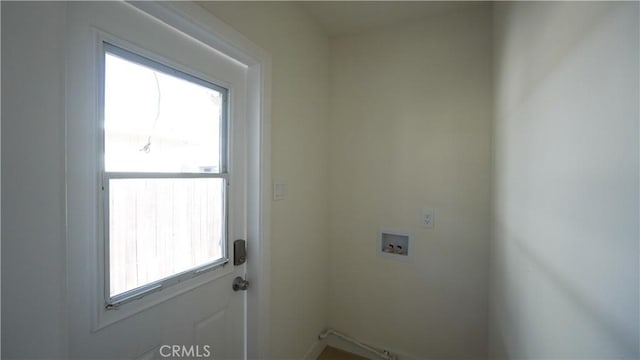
240, 284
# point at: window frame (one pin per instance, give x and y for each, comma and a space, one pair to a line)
153, 62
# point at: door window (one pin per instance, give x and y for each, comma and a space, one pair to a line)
164, 174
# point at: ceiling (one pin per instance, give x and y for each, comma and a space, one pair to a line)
350, 17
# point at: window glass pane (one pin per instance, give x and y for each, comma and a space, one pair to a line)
162, 227
156, 122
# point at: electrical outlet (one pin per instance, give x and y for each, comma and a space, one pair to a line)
427, 218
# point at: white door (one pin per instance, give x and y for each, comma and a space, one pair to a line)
155, 189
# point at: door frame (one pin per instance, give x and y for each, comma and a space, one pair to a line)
199, 24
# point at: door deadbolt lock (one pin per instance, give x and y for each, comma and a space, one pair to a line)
240, 284
239, 252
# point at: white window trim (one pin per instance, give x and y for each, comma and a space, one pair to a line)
114, 302
103, 316
107, 45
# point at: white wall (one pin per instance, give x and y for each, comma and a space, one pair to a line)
33, 188
565, 243
410, 128
299, 250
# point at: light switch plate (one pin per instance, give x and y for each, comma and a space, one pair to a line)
427, 218
279, 190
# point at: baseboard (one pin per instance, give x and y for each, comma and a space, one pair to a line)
315, 350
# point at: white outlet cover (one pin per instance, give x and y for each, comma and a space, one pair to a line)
427, 218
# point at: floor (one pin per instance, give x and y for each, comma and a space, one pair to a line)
330, 353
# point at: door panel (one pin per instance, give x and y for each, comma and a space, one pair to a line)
200, 311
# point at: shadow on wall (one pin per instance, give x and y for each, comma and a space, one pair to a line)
579, 301
564, 273
546, 46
